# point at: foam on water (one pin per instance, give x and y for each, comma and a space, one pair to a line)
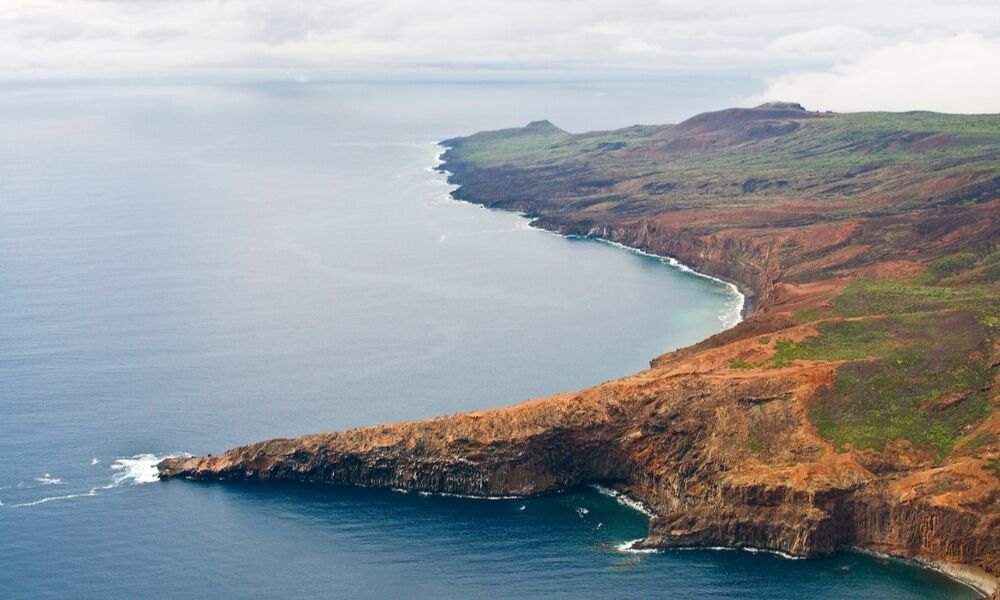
450, 495
629, 547
91, 492
136, 470
730, 315
623, 499
139, 469
778, 553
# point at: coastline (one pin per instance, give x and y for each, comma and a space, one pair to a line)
741, 308
974, 577
971, 576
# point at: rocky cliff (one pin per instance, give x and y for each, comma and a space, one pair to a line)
855, 406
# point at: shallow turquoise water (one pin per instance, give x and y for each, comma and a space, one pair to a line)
188, 268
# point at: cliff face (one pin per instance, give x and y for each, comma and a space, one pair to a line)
531, 449
856, 406
722, 459
749, 262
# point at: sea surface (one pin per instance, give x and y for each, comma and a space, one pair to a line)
186, 267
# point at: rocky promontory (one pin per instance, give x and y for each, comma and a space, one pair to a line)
857, 403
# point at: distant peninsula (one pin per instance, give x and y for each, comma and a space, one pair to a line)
856, 405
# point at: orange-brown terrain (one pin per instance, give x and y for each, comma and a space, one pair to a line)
856, 405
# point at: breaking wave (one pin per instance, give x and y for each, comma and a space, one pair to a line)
629, 547
136, 470
624, 500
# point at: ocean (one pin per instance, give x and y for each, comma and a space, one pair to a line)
188, 267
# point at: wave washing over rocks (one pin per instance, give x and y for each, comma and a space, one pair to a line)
136, 470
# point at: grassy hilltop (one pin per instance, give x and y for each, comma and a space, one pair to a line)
847, 164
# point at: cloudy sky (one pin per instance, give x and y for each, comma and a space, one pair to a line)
843, 55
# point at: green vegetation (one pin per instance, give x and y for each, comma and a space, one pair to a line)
879, 297
849, 340
978, 441
737, 157
764, 340
538, 141
919, 377
995, 466
952, 265
917, 359
807, 315
784, 353
757, 442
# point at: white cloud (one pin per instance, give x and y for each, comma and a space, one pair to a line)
638, 46
836, 41
958, 73
394, 38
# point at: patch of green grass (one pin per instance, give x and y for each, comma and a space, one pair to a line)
881, 297
978, 441
995, 466
917, 377
757, 441
735, 363
784, 353
764, 340
807, 315
990, 263
952, 265
838, 340
848, 340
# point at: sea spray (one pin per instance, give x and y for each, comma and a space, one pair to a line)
623, 499
139, 469
630, 548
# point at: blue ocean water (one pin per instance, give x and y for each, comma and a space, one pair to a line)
185, 268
